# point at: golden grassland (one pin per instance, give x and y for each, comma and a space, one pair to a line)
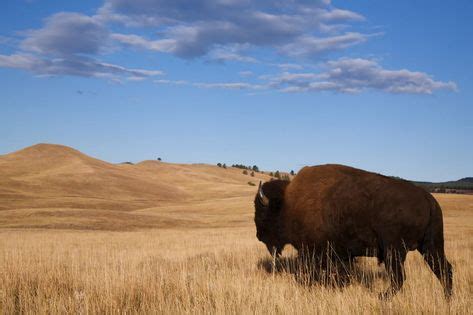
210, 270
79, 235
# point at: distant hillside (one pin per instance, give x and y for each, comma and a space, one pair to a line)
56, 176
54, 186
461, 184
57, 187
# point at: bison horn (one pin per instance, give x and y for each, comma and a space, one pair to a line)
262, 198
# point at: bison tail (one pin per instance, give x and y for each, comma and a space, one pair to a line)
433, 235
432, 249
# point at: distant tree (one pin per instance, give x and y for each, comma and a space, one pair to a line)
159, 159
255, 168
277, 175
271, 174
292, 173
245, 172
219, 164
252, 174
224, 165
241, 166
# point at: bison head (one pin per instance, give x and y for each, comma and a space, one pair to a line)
269, 202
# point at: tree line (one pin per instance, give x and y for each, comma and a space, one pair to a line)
252, 169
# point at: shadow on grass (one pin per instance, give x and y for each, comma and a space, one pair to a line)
330, 273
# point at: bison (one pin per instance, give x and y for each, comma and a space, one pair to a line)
354, 213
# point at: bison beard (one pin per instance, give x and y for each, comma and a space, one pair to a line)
354, 213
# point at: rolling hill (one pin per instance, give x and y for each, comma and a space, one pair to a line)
55, 186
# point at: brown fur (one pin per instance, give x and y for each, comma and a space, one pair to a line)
356, 213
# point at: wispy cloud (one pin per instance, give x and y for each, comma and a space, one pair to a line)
289, 66
77, 66
231, 53
66, 34
67, 45
197, 28
215, 85
294, 35
340, 76
311, 46
356, 75
162, 45
230, 86
172, 82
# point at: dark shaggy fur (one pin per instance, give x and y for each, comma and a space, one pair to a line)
354, 213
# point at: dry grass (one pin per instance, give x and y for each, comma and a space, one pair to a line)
189, 248
214, 270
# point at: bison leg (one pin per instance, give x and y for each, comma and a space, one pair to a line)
394, 262
441, 268
380, 256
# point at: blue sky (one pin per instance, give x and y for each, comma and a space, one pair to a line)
380, 86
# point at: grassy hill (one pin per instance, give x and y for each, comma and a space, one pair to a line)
56, 186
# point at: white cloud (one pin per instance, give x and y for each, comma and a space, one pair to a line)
356, 75
172, 82
230, 86
215, 85
341, 15
231, 53
78, 66
341, 76
289, 66
306, 46
190, 29
67, 33
67, 45
162, 45
217, 30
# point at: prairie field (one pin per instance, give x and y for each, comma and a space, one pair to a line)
193, 249
210, 270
